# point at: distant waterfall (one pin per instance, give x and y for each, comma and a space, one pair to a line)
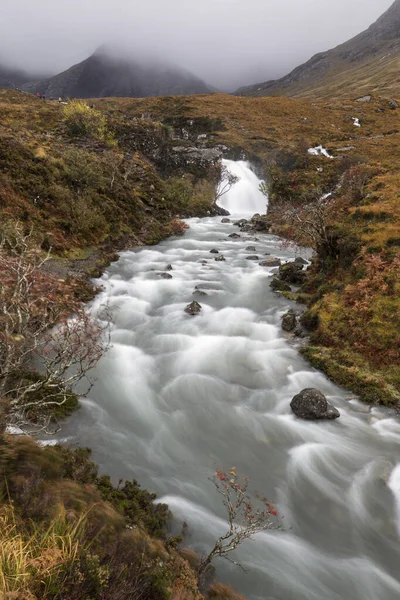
245, 197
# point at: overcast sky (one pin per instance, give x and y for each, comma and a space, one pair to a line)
226, 42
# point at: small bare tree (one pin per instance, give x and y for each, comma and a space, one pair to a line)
246, 517
44, 352
226, 182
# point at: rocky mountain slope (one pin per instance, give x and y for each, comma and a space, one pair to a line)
107, 74
367, 64
12, 78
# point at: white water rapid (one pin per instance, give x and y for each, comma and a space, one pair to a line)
178, 396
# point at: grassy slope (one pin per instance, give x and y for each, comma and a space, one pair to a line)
82, 194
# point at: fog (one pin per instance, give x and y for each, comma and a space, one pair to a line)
226, 42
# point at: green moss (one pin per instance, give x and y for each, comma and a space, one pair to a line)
342, 367
280, 286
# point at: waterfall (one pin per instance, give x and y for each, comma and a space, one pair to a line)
244, 198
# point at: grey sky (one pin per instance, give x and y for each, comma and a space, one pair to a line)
226, 42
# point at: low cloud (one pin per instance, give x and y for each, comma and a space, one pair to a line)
226, 42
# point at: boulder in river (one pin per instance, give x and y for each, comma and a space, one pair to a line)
165, 275
214, 251
220, 258
169, 267
225, 220
241, 222
311, 404
193, 309
299, 260
289, 320
235, 236
199, 293
252, 257
271, 262
251, 249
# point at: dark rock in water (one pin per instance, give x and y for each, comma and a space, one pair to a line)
299, 332
289, 321
235, 236
252, 257
271, 262
292, 273
169, 267
256, 223
165, 276
193, 309
199, 293
220, 258
219, 211
280, 286
251, 249
241, 222
225, 220
203, 262
311, 404
204, 286
214, 251
300, 261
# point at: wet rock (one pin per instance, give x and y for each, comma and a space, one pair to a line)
203, 262
271, 262
220, 258
292, 273
219, 211
193, 309
165, 275
256, 223
241, 222
169, 267
199, 293
235, 236
251, 249
289, 321
252, 257
280, 286
299, 332
311, 404
225, 220
214, 251
300, 261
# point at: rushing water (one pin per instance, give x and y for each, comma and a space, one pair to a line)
179, 396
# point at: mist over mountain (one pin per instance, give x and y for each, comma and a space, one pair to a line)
110, 73
368, 63
227, 43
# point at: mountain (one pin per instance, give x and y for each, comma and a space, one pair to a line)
107, 74
11, 78
367, 64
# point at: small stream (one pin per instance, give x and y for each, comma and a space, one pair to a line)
177, 397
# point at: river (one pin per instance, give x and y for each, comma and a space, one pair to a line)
178, 396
